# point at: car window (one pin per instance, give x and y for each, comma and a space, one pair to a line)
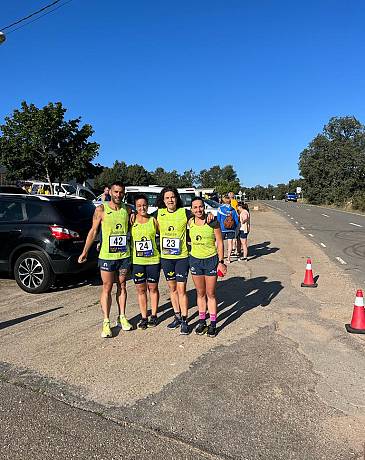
187, 199
86, 194
11, 211
69, 189
75, 210
212, 204
151, 197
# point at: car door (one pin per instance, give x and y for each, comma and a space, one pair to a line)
12, 214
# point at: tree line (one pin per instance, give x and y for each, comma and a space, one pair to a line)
40, 143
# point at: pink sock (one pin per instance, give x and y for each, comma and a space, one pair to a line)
202, 315
213, 318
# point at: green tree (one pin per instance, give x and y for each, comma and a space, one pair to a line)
118, 172
137, 175
165, 178
40, 143
333, 164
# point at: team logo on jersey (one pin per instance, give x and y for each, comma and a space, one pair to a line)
144, 238
171, 228
198, 238
118, 226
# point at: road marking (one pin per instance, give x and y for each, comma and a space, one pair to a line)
302, 228
341, 261
323, 245
325, 215
288, 215
310, 235
356, 225
296, 222
307, 209
292, 218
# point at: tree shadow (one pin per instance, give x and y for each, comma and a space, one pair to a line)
21, 319
261, 249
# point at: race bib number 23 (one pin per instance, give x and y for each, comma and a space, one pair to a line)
171, 246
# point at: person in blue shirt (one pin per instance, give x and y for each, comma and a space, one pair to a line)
229, 222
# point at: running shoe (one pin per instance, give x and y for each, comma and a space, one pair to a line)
143, 324
212, 331
201, 328
123, 323
175, 324
153, 321
106, 332
184, 328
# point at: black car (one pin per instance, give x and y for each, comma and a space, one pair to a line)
42, 237
13, 189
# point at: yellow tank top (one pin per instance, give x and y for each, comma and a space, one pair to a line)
202, 240
114, 229
173, 233
144, 247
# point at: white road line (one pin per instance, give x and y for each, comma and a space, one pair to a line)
288, 215
323, 245
310, 235
356, 225
325, 215
292, 218
302, 228
307, 209
341, 261
296, 222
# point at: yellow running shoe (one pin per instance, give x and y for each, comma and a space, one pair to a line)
123, 323
106, 331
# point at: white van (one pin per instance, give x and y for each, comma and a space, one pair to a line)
61, 189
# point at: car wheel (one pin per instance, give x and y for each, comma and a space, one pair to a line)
33, 272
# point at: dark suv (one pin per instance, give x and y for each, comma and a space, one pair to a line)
42, 237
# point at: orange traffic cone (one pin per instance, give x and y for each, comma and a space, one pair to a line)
308, 278
357, 325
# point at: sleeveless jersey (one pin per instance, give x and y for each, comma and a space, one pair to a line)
144, 247
173, 233
202, 240
114, 229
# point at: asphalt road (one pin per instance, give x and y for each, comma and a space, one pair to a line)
340, 234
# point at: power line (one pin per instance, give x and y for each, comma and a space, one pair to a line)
33, 14
39, 17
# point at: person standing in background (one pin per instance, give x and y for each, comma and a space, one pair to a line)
244, 229
228, 220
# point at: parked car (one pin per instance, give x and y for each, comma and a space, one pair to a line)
291, 197
42, 237
13, 189
211, 206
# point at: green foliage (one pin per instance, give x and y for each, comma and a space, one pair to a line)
40, 143
358, 201
333, 164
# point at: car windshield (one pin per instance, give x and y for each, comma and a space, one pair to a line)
212, 203
187, 198
151, 197
69, 189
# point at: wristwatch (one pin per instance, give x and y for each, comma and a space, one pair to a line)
221, 261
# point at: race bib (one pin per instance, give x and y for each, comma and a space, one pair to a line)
171, 246
144, 248
117, 243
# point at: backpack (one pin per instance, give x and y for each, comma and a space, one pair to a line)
229, 221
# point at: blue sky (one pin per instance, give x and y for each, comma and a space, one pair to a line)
193, 83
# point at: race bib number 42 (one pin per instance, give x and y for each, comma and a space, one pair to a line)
117, 243
171, 246
144, 248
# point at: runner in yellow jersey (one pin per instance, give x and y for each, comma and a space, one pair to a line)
172, 219
206, 257
146, 261
114, 257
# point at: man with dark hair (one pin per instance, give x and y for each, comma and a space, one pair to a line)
114, 256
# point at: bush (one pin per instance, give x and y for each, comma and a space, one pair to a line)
358, 201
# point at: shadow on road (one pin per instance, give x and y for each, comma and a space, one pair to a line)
235, 296
21, 319
261, 249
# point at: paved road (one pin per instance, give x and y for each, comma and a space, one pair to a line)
340, 234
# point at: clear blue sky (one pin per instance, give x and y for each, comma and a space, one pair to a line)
192, 83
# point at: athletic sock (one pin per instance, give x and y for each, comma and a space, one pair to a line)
213, 320
202, 316
184, 318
